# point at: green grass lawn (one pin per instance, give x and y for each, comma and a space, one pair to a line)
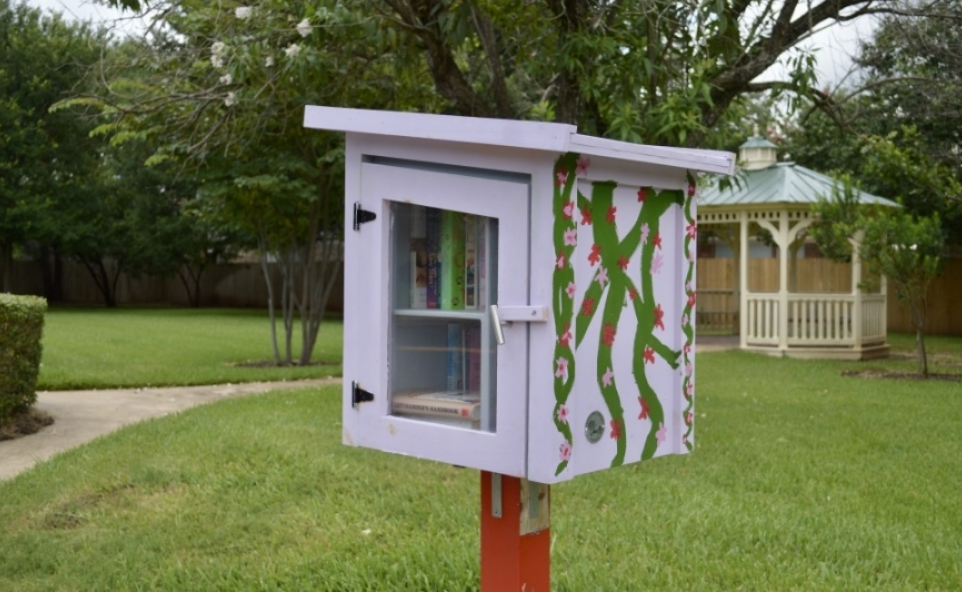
100, 348
802, 479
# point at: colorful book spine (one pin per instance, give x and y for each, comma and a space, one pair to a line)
472, 346
482, 267
452, 260
455, 369
419, 258
432, 290
471, 262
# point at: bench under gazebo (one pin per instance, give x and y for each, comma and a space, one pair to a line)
777, 198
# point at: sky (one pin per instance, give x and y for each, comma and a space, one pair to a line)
78, 9
835, 44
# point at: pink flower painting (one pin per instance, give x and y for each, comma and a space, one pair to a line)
571, 290
657, 262
565, 451
602, 277
582, 169
571, 237
608, 377
563, 414
662, 434
562, 371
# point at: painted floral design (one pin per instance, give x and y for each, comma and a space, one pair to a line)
637, 251
688, 359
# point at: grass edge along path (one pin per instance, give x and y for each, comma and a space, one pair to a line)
801, 479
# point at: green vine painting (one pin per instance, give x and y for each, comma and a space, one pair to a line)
618, 295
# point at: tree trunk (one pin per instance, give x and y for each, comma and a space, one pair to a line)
917, 307
270, 301
105, 284
51, 271
6, 266
190, 279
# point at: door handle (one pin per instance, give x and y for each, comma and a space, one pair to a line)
506, 315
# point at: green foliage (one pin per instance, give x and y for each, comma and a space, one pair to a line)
21, 330
45, 158
218, 92
897, 131
675, 73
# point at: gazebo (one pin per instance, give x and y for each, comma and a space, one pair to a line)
778, 198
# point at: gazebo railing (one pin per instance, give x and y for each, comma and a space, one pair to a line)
827, 320
761, 316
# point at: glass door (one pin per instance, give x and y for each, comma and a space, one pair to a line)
441, 343
453, 243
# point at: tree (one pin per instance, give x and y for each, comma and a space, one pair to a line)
221, 92
892, 243
229, 84
659, 72
44, 156
898, 130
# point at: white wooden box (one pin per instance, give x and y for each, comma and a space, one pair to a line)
582, 248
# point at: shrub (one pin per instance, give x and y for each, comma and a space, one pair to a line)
21, 327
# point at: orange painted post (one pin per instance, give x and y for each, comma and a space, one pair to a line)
515, 535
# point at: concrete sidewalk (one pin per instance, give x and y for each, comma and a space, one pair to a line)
81, 416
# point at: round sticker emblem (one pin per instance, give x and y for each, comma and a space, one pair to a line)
595, 426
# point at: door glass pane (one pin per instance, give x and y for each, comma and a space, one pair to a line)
441, 354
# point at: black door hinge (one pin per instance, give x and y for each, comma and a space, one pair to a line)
362, 216
359, 395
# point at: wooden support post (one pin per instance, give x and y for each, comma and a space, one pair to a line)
515, 534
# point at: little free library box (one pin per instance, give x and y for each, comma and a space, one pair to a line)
519, 298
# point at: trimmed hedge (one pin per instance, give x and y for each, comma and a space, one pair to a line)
21, 328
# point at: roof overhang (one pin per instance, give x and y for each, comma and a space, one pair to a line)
531, 135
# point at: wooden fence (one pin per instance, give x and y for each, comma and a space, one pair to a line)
242, 285
717, 305
230, 285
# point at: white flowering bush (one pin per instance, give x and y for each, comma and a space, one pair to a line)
225, 88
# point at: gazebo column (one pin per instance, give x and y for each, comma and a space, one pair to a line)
857, 310
783, 235
743, 279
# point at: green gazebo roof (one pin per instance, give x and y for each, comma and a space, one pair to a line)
781, 183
